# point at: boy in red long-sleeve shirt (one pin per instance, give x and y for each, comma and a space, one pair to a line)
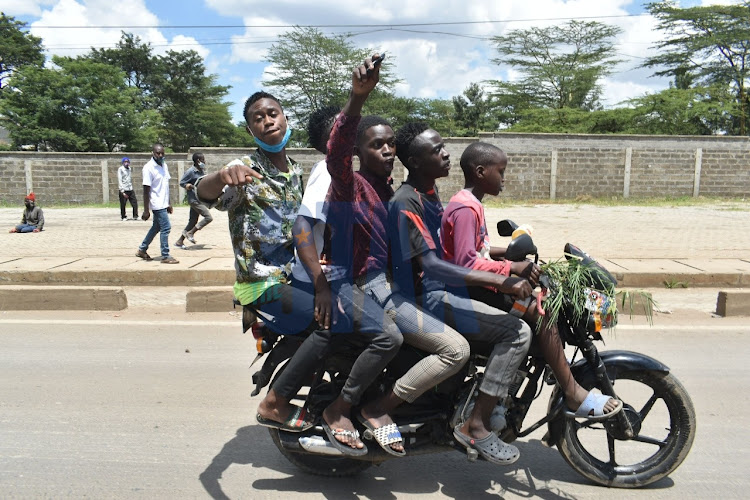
465, 242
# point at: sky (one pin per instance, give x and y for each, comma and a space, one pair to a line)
444, 49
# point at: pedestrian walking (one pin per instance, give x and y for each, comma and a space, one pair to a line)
156, 197
197, 208
126, 193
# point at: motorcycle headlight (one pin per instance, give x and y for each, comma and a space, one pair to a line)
602, 314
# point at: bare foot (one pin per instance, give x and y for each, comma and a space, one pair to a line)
277, 409
379, 419
341, 422
14, 230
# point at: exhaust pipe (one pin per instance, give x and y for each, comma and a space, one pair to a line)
319, 445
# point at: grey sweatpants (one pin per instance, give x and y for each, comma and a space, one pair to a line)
510, 337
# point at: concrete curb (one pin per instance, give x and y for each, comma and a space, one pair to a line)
62, 298
209, 299
734, 303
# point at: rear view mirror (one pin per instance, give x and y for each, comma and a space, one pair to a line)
520, 247
506, 227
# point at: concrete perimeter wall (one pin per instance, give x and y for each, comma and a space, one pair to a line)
541, 166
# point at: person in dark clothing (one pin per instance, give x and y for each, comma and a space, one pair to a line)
32, 220
126, 192
197, 208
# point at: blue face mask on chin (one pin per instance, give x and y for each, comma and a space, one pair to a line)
276, 148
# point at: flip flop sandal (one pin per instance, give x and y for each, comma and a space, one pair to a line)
592, 408
343, 447
384, 436
491, 447
294, 423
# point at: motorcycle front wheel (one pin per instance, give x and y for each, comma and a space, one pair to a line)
663, 418
321, 465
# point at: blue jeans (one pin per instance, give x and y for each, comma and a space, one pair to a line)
162, 226
25, 228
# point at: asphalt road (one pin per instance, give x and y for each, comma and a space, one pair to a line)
157, 405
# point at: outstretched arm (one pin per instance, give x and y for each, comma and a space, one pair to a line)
211, 186
451, 274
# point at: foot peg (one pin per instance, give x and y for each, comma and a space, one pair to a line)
472, 454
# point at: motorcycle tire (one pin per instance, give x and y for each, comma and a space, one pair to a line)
666, 407
321, 465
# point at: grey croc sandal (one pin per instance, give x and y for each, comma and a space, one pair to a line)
491, 447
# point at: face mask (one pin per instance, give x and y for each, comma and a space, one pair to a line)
159, 161
201, 165
278, 147
29, 204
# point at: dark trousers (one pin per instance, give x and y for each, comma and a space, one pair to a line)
133, 203
363, 317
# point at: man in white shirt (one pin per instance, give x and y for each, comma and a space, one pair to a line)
156, 197
125, 184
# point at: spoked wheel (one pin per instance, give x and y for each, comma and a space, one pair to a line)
663, 419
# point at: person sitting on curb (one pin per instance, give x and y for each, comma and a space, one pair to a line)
197, 208
466, 243
32, 220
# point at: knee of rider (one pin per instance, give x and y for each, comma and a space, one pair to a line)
524, 335
462, 350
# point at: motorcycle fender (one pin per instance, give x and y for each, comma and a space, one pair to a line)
614, 361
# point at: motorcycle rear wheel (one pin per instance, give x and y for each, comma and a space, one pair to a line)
321, 465
658, 403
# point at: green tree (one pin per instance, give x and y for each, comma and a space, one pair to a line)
132, 56
17, 48
79, 105
706, 45
190, 102
560, 66
310, 70
439, 114
474, 111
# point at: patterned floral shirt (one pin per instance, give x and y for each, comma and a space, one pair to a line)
261, 216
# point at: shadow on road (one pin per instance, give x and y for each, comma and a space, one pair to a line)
446, 474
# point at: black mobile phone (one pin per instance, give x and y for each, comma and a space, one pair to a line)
376, 62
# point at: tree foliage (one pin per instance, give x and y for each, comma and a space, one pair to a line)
310, 70
706, 45
560, 66
79, 105
473, 112
17, 48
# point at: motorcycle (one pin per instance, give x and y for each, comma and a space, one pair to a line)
644, 442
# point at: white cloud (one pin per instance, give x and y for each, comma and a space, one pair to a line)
445, 59
24, 7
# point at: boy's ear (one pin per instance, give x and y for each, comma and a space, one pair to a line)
479, 171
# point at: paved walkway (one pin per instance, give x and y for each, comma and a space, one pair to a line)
642, 246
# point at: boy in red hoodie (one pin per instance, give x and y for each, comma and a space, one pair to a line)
465, 242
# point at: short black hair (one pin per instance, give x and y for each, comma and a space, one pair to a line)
405, 136
369, 121
257, 97
319, 126
478, 153
196, 156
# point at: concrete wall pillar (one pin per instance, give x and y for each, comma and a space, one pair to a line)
628, 166
697, 175
180, 173
553, 176
29, 180
105, 182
